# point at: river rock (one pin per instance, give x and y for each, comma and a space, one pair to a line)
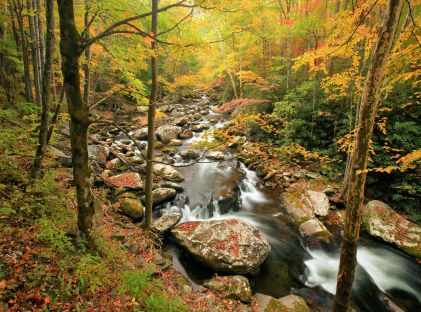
186, 134
189, 154
314, 229
166, 222
161, 195
173, 185
114, 164
131, 180
381, 221
166, 133
296, 210
132, 207
231, 246
235, 287
181, 121
199, 128
167, 172
175, 142
329, 191
215, 155
141, 134
98, 153
290, 303
318, 202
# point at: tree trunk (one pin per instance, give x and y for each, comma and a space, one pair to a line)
40, 35
151, 121
355, 195
70, 49
46, 88
86, 68
35, 52
17, 8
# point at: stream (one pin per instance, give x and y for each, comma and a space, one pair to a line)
385, 276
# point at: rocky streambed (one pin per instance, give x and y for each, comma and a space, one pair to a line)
229, 232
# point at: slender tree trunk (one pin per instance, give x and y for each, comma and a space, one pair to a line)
6, 12
46, 88
35, 52
17, 8
355, 196
86, 65
40, 33
70, 49
151, 121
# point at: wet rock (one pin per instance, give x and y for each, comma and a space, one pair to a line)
186, 134
199, 128
189, 154
235, 287
132, 207
231, 246
114, 164
141, 134
381, 221
166, 133
318, 202
159, 145
297, 211
161, 195
314, 229
197, 116
131, 180
175, 142
291, 303
98, 153
329, 191
166, 222
166, 108
181, 121
172, 185
215, 155
167, 172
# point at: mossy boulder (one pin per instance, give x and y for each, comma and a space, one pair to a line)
290, 303
235, 287
132, 207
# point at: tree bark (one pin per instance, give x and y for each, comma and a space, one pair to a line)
46, 88
355, 192
35, 52
40, 35
151, 121
17, 8
70, 49
86, 68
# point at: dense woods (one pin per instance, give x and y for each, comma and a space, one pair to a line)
205, 155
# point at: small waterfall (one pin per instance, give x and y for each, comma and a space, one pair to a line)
250, 194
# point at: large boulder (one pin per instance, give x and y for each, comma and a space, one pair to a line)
161, 195
132, 207
318, 202
314, 229
215, 155
141, 134
290, 303
166, 222
231, 246
131, 180
166, 133
167, 172
297, 211
381, 221
98, 153
235, 287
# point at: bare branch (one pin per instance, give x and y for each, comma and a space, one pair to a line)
177, 24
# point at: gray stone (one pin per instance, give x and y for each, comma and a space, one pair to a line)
215, 155
98, 153
167, 172
161, 195
189, 154
381, 221
314, 229
231, 246
186, 134
141, 134
290, 303
318, 202
166, 133
166, 222
235, 287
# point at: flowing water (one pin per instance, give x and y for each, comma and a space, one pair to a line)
383, 274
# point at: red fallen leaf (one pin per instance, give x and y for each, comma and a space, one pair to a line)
47, 300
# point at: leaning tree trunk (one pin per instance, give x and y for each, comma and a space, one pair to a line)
355, 195
70, 49
151, 121
46, 88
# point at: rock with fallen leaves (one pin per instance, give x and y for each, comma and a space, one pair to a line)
235, 287
166, 222
131, 180
167, 172
381, 221
231, 246
291, 303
